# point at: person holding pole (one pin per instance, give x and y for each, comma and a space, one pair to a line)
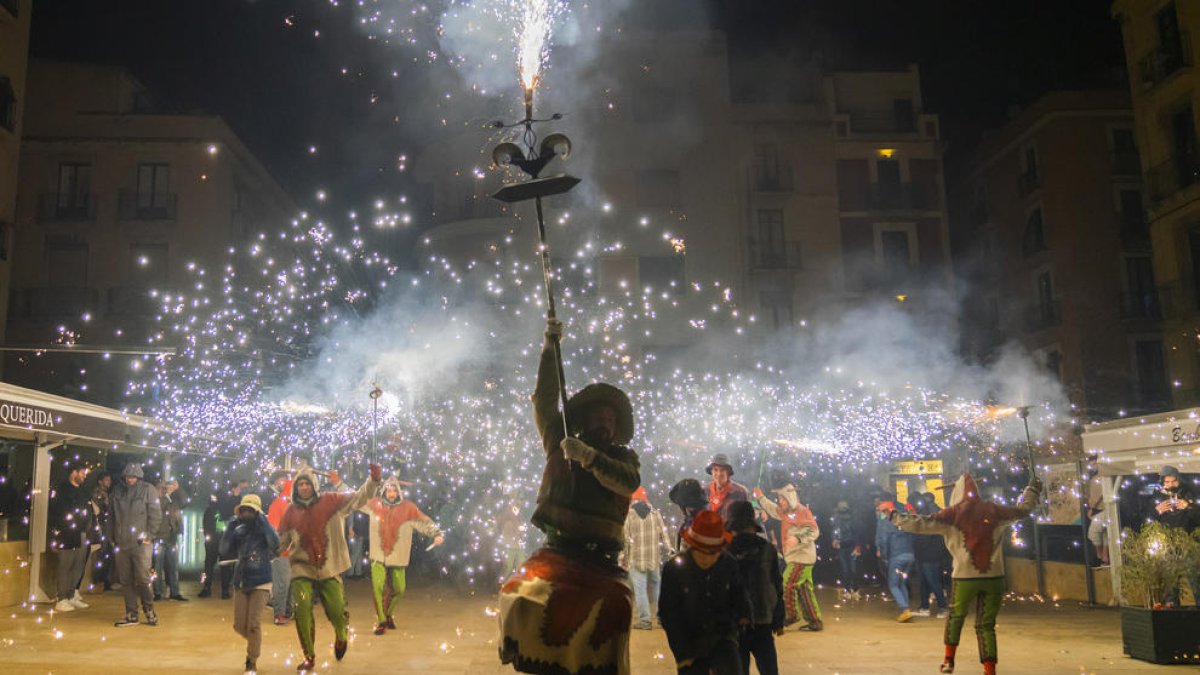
974, 531
549, 619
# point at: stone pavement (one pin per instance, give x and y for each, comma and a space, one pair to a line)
445, 633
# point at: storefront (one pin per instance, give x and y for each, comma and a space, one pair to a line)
1138, 447
922, 475
33, 426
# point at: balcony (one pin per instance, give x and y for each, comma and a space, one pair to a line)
57, 302
55, 207
1126, 163
1028, 182
157, 207
774, 257
900, 197
881, 122
1042, 316
1164, 61
779, 180
1142, 306
1176, 173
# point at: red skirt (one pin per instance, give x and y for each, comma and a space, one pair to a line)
565, 615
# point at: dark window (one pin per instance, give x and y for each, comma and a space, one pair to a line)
654, 104
154, 186
1133, 215
1034, 240
1194, 254
1125, 154
1151, 377
1122, 140
148, 265
895, 253
3, 242
766, 165
777, 307
660, 272
1053, 362
1170, 39
66, 264
1183, 141
890, 190
1141, 297
74, 189
658, 188
1045, 298
8, 104
770, 229
906, 120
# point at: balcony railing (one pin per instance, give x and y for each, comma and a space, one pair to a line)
1028, 181
771, 256
160, 206
1165, 60
1144, 305
882, 122
60, 207
1176, 173
903, 196
57, 302
1126, 163
1042, 316
779, 180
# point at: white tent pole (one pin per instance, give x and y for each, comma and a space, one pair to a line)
1108, 490
38, 515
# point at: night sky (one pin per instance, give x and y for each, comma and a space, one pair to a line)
281, 88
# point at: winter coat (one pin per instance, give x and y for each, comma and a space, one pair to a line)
172, 520
394, 548
313, 535
700, 608
759, 564
70, 517
892, 542
136, 512
1184, 519
798, 529
253, 545
974, 530
843, 529
582, 501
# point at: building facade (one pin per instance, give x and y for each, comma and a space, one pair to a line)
1053, 248
14, 56
1161, 50
117, 199
775, 192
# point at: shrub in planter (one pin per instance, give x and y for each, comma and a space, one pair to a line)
1155, 562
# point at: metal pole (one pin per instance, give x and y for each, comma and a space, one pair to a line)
374, 430
1088, 576
1037, 543
547, 277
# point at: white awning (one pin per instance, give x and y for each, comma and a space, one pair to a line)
27, 414
1144, 444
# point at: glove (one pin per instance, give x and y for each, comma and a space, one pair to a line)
241, 530
857, 551
1036, 484
376, 473
576, 450
554, 330
334, 477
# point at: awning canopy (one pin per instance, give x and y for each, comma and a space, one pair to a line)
1144, 444
28, 414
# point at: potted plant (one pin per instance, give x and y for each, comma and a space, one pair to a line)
1155, 562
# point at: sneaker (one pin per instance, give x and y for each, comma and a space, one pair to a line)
307, 665
942, 613
380, 629
947, 666
643, 625
64, 606
151, 618
812, 627
251, 667
905, 616
339, 649
924, 611
129, 620
391, 623
179, 598
77, 600
280, 620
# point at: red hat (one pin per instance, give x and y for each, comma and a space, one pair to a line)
640, 494
707, 533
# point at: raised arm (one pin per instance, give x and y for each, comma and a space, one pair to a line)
770, 507
363, 494
910, 522
620, 475
545, 390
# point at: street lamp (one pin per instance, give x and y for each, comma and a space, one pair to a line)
376, 392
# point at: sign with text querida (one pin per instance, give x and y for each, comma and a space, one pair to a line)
37, 418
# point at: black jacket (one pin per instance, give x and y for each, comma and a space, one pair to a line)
758, 562
1185, 519
70, 517
700, 608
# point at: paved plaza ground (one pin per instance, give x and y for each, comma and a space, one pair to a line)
442, 632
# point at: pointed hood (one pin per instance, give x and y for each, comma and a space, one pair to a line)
964, 488
976, 519
306, 474
393, 482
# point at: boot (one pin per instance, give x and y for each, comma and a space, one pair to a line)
339, 649
381, 629
129, 620
205, 592
391, 623
948, 664
251, 667
307, 665
989, 668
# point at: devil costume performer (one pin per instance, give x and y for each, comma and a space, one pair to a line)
568, 609
974, 531
393, 520
313, 535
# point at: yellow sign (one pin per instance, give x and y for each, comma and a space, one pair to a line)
933, 485
922, 467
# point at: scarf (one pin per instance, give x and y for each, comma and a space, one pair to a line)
977, 520
391, 518
716, 495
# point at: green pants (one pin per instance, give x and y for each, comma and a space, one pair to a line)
333, 599
380, 575
798, 596
987, 594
